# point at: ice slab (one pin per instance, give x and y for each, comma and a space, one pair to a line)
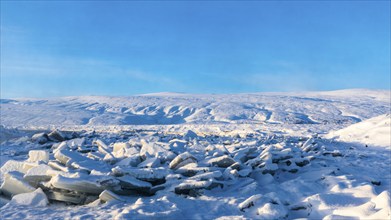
186, 187
130, 182
107, 196
11, 165
222, 161
38, 174
81, 184
146, 174
38, 155
36, 198
120, 145
14, 184
150, 163
40, 138
56, 136
156, 150
67, 197
177, 162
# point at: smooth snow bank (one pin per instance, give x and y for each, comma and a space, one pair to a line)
374, 132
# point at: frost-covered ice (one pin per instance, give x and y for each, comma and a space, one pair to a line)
318, 155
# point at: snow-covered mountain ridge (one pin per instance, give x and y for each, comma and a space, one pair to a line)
334, 107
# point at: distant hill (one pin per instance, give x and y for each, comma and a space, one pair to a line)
334, 107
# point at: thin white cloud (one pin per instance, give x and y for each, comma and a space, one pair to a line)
282, 81
281, 75
150, 78
76, 67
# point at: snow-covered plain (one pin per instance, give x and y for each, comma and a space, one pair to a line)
315, 155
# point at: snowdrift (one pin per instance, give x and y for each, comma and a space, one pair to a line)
374, 132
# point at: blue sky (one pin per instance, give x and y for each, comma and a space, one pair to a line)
65, 48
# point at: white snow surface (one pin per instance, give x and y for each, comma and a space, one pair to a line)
375, 131
307, 155
336, 107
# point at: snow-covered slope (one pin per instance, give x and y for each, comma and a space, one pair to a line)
336, 107
375, 131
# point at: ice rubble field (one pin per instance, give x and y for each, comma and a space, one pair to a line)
318, 155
